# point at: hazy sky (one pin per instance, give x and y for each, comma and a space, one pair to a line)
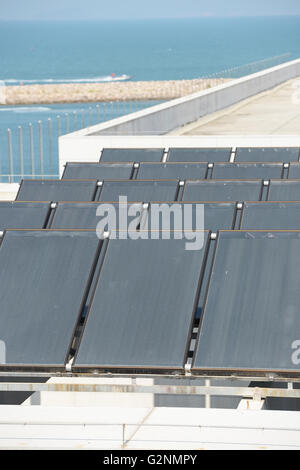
126, 9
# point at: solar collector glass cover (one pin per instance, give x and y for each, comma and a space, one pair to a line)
251, 315
199, 154
142, 310
271, 216
267, 154
140, 190
284, 190
181, 171
247, 170
99, 171
87, 215
132, 155
43, 278
57, 190
23, 214
220, 190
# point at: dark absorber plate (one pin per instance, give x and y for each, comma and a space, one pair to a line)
143, 307
180, 171
285, 190
132, 155
87, 215
271, 216
99, 171
251, 316
23, 214
43, 280
247, 170
57, 190
139, 190
199, 154
220, 190
267, 154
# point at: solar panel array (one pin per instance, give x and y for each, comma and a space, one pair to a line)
151, 302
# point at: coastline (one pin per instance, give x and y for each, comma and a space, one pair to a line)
101, 92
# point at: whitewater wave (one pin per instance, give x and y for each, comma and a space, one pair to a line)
25, 109
107, 78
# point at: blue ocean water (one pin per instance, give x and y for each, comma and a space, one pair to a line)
55, 52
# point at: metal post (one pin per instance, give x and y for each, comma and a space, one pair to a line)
31, 149
58, 126
98, 112
21, 151
90, 115
111, 109
41, 148
10, 155
50, 145
74, 120
67, 123
104, 111
82, 119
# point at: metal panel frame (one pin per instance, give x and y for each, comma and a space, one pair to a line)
55, 367
99, 165
32, 202
132, 148
53, 180
212, 181
203, 149
284, 182
167, 163
140, 182
96, 203
262, 203
268, 148
235, 163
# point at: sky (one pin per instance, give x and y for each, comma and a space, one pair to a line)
141, 9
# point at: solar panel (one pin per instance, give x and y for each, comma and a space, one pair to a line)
267, 154
57, 190
172, 171
294, 171
143, 307
83, 215
251, 315
216, 216
43, 280
99, 171
199, 154
217, 190
140, 190
23, 214
132, 155
247, 170
271, 216
285, 190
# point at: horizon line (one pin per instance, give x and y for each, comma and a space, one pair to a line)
279, 15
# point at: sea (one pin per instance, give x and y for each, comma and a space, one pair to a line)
95, 51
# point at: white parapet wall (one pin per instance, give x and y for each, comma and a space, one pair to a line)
148, 128
48, 427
